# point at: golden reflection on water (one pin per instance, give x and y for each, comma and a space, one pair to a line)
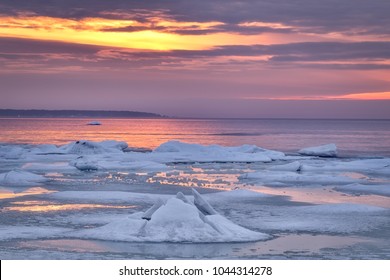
5, 193
197, 178
148, 133
47, 206
324, 196
74, 245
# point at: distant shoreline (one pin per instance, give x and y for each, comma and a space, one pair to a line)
14, 113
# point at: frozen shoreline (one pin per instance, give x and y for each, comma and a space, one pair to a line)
52, 192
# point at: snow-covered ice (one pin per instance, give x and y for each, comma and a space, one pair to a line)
176, 220
184, 152
84, 147
329, 150
19, 177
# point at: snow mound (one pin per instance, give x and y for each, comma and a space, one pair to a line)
176, 220
85, 164
329, 150
215, 153
84, 147
18, 177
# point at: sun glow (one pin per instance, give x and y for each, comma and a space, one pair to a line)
155, 34
106, 32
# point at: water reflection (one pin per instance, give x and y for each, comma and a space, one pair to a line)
197, 177
287, 135
49, 206
286, 245
7, 193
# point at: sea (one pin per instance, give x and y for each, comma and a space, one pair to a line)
352, 137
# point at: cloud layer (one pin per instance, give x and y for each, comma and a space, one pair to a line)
181, 51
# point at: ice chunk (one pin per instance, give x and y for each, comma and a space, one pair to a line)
202, 204
174, 221
329, 150
182, 197
84, 147
85, 164
184, 152
21, 178
148, 214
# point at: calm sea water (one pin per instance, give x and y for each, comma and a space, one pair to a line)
353, 137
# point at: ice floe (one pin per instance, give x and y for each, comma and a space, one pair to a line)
84, 147
185, 152
329, 150
12, 152
19, 177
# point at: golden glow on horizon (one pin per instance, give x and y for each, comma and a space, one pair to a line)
99, 31
351, 96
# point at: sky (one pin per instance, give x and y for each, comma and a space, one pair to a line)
198, 58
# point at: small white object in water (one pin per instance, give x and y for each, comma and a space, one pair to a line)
94, 123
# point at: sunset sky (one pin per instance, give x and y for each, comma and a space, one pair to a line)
195, 58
